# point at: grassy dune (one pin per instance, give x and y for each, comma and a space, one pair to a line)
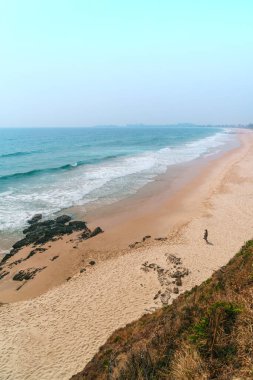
206, 333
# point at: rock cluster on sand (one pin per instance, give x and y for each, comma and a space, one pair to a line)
26, 274
40, 232
170, 278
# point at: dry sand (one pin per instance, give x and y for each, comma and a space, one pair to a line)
54, 335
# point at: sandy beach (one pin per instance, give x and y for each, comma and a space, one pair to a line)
51, 327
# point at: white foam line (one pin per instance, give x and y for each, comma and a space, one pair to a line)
108, 181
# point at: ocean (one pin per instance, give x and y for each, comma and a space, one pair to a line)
46, 170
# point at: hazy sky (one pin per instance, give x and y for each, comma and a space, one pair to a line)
90, 62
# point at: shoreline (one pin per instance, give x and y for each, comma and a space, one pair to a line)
175, 177
64, 327
167, 188
156, 210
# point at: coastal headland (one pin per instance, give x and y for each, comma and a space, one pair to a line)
152, 249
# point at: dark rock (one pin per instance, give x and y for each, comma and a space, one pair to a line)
146, 237
30, 228
15, 263
178, 281
27, 274
13, 251
67, 230
63, 219
161, 238
46, 223
19, 287
35, 234
40, 226
41, 232
92, 262
6, 257
165, 297
32, 253
50, 233
179, 274
21, 243
85, 235
82, 270
95, 232
59, 230
77, 225
175, 290
54, 258
35, 219
133, 244
174, 260
69, 278
42, 240
3, 274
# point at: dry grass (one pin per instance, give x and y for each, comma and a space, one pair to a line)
206, 333
187, 364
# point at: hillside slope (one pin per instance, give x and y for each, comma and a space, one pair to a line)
206, 333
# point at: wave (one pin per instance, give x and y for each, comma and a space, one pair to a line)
66, 167
18, 154
37, 172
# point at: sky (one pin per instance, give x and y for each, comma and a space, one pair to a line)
110, 62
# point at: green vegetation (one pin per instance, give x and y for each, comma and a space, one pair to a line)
205, 334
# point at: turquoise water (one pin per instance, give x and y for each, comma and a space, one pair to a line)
47, 170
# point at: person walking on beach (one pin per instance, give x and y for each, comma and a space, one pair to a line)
206, 236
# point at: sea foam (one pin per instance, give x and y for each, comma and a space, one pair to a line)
103, 182
97, 178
